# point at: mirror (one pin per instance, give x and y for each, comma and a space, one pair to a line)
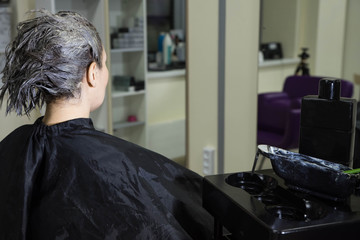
327, 28
166, 78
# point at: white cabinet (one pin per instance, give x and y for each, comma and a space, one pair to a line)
128, 61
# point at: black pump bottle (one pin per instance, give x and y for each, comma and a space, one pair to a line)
327, 126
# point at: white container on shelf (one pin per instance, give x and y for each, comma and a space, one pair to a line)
167, 49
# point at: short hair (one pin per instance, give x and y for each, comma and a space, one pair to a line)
48, 59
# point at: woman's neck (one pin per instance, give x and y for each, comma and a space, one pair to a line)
64, 110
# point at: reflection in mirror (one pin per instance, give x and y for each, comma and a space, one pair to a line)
278, 24
329, 29
166, 78
166, 34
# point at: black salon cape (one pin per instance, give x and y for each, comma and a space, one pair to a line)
69, 181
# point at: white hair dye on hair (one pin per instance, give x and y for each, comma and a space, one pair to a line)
48, 59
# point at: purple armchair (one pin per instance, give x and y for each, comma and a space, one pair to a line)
279, 112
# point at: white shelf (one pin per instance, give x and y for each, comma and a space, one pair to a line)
124, 50
165, 74
119, 94
278, 62
120, 125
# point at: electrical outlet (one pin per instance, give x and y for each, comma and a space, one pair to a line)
208, 160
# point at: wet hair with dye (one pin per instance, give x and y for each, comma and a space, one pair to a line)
48, 59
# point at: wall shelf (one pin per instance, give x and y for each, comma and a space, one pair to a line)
121, 125
166, 74
124, 50
278, 62
119, 94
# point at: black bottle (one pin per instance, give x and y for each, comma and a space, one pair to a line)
327, 126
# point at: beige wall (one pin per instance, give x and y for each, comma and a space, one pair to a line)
242, 17
307, 29
330, 38
283, 27
11, 122
165, 99
329, 29
351, 61
202, 73
166, 115
271, 78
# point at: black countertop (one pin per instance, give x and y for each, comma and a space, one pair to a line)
265, 208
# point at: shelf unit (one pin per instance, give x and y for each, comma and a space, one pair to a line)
128, 60
124, 50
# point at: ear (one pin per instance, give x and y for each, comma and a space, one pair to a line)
91, 74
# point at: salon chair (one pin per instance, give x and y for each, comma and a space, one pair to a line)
279, 112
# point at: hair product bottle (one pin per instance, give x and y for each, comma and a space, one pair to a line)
327, 127
167, 49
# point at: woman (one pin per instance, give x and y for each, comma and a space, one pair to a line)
62, 179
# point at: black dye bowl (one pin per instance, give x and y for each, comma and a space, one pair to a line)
311, 175
254, 184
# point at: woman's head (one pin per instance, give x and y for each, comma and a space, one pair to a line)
48, 58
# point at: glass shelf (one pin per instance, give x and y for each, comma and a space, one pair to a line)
123, 50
